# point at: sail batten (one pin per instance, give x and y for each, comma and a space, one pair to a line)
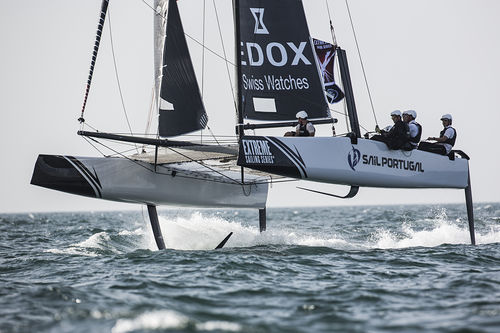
180, 104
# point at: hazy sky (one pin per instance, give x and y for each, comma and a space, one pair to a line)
434, 56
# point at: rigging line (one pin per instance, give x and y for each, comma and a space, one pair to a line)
123, 152
203, 53
90, 143
203, 165
332, 30
346, 116
161, 173
245, 192
183, 155
271, 181
203, 65
117, 153
361, 61
213, 135
225, 57
116, 72
335, 111
92, 127
363, 128
210, 50
345, 113
334, 40
150, 113
193, 39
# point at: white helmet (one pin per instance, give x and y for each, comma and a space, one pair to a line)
446, 116
411, 113
301, 114
396, 113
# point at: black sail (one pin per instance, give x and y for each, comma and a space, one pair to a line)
279, 75
181, 107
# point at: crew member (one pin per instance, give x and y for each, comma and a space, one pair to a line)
304, 127
445, 141
397, 136
409, 117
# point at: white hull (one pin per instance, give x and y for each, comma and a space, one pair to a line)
126, 180
367, 163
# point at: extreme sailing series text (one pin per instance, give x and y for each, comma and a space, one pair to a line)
257, 152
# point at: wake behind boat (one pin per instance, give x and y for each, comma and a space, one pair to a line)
280, 71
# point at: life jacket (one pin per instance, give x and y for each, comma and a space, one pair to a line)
398, 135
303, 130
450, 141
416, 139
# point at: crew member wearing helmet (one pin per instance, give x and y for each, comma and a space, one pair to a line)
304, 127
397, 136
409, 117
445, 141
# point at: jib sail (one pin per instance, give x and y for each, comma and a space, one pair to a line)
279, 74
180, 105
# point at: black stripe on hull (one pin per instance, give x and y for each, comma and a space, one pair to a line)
297, 159
91, 177
273, 156
57, 173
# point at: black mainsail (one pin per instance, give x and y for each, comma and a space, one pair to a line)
181, 107
279, 75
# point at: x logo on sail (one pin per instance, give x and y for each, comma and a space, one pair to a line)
258, 15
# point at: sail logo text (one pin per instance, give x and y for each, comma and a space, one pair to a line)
275, 53
275, 83
257, 152
392, 163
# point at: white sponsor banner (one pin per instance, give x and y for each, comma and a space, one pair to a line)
264, 104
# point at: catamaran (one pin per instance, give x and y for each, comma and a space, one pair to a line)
280, 70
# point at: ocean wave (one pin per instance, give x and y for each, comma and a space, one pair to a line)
199, 232
167, 319
443, 231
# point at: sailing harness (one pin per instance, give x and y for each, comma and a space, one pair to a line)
450, 141
415, 140
303, 130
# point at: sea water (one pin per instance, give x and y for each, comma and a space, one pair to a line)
327, 269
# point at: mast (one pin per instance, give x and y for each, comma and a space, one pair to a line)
100, 26
349, 95
237, 49
239, 103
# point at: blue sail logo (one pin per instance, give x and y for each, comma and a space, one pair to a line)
353, 158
